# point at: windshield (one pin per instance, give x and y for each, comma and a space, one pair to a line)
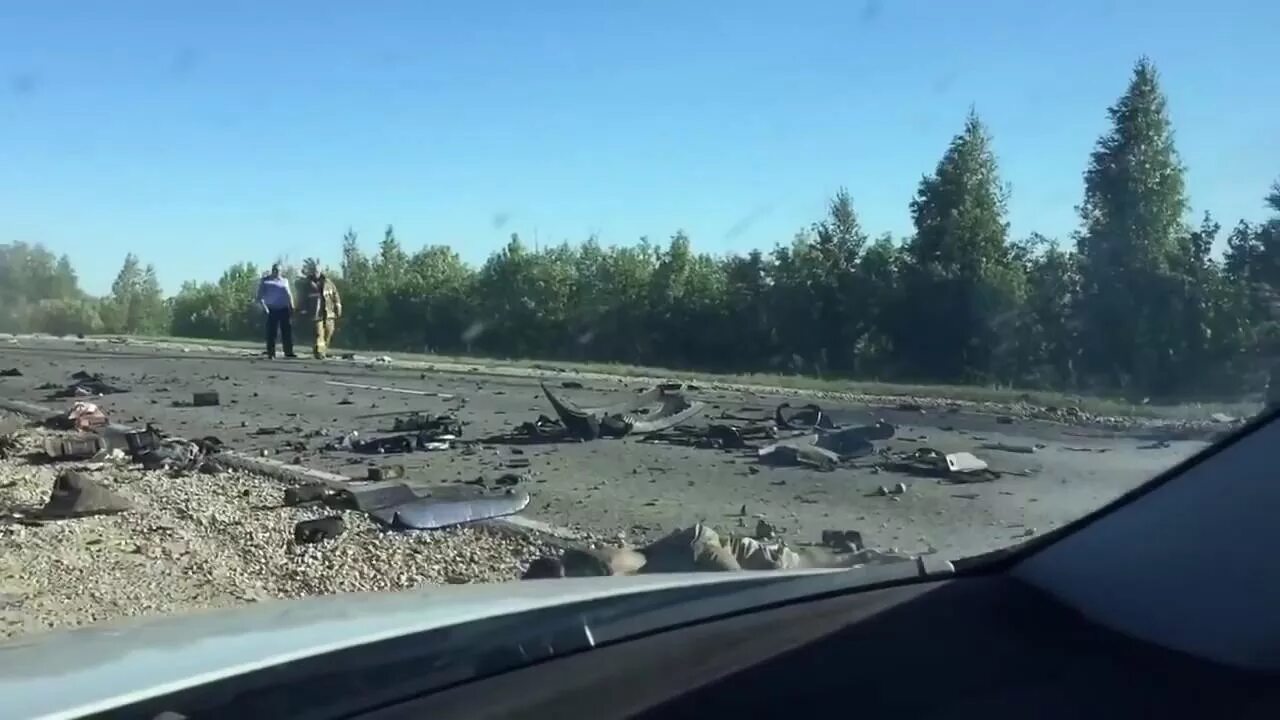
300, 300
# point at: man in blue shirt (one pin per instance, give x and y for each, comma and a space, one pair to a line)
276, 298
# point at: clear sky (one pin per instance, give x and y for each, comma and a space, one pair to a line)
197, 134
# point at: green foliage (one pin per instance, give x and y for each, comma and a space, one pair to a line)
1140, 304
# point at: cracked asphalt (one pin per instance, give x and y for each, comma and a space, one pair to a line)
626, 488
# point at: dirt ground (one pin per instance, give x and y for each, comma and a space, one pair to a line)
205, 541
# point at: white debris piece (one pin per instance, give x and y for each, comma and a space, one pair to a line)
964, 462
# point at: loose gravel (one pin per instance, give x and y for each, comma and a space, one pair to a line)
206, 541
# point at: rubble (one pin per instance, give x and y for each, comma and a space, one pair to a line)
11, 372
186, 544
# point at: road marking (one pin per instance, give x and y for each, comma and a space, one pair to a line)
362, 386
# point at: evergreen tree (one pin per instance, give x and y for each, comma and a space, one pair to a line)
1132, 243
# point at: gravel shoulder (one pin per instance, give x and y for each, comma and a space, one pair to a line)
198, 541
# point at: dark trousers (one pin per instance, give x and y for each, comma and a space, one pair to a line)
279, 320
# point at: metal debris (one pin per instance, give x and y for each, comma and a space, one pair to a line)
175, 454
430, 514
79, 447
11, 372
808, 417
652, 411
434, 425
75, 495
205, 399
368, 498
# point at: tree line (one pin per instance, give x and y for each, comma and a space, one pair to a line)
1135, 302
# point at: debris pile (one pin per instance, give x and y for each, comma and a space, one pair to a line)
101, 542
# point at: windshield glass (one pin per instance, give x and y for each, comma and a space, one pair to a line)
302, 299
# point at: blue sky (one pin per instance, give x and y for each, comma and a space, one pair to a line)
199, 134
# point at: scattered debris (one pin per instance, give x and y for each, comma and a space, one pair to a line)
444, 427
571, 385
11, 372
960, 467
174, 454
896, 489
87, 385
1157, 445
1222, 418
75, 495
1004, 420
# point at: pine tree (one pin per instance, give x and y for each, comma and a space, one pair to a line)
958, 278
1133, 243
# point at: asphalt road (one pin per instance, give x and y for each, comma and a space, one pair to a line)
637, 489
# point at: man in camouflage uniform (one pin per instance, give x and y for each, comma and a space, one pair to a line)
325, 307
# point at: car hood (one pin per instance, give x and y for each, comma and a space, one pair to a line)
75, 672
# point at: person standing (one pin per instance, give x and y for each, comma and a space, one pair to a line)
325, 306
276, 298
